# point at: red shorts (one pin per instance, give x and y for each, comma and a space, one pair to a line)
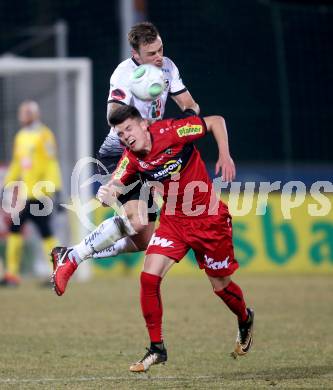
210, 238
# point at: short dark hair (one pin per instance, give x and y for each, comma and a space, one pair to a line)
120, 114
142, 34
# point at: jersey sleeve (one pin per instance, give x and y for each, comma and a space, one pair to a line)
126, 170
176, 85
188, 129
119, 90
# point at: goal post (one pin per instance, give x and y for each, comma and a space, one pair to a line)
63, 89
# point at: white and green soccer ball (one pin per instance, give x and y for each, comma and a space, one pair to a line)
147, 82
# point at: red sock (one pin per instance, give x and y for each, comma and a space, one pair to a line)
232, 296
151, 305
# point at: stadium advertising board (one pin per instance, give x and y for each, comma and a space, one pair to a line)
276, 240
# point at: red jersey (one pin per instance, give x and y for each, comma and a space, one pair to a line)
175, 162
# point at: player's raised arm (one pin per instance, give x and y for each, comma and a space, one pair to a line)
180, 94
186, 103
216, 124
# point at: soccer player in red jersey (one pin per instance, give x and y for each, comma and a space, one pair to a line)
192, 217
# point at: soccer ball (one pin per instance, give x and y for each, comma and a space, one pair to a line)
147, 82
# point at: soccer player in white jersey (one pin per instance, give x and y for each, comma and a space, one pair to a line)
147, 47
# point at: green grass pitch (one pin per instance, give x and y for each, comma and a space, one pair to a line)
88, 338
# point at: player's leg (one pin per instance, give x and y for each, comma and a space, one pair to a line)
143, 221
49, 241
107, 234
14, 244
232, 295
165, 248
135, 243
155, 268
216, 256
66, 260
43, 224
134, 222
140, 209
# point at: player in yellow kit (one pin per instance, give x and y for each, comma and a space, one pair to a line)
34, 161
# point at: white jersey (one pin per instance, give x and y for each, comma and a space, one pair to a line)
121, 94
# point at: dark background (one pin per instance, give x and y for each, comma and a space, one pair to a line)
265, 66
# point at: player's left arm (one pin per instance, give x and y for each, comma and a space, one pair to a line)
186, 103
216, 124
179, 92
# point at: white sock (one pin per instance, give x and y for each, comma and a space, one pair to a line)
104, 236
124, 245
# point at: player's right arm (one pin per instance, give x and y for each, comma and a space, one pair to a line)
216, 125
119, 93
186, 103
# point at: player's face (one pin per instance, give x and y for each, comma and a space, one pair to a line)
152, 53
26, 116
134, 134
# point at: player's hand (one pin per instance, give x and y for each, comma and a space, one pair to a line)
186, 113
226, 166
105, 195
108, 193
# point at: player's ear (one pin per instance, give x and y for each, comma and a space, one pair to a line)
135, 55
144, 124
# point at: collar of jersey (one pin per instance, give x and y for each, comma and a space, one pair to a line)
135, 61
34, 126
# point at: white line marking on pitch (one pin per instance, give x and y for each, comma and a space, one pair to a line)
13, 381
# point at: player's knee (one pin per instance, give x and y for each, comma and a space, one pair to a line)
219, 282
142, 245
138, 222
150, 282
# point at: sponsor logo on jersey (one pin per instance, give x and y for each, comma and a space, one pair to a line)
156, 162
121, 168
159, 241
215, 264
118, 94
188, 129
143, 164
170, 168
156, 109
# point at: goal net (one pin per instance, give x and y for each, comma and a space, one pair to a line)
62, 87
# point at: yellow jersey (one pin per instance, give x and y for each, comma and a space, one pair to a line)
34, 158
